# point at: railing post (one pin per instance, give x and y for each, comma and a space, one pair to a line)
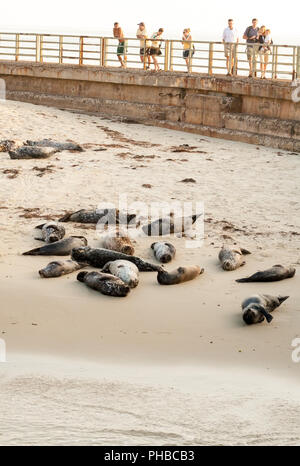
103, 51
17, 53
276, 61
235, 59
254, 61
61, 49
298, 63
145, 61
39, 48
81, 45
210, 58
167, 48
171, 55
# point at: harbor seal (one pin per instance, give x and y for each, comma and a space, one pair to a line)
100, 257
180, 275
170, 225
126, 271
28, 152
60, 248
60, 146
51, 232
105, 283
104, 216
274, 274
257, 308
232, 258
7, 145
164, 252
118, 242
59, 268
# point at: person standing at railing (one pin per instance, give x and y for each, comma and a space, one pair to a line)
230, 38
121, 52
142, 34
188, 47
264, 49
155, 49
251, 37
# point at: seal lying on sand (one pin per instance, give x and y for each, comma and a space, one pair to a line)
59, 268
232, 258
170, 225
257, 308
100, 257
105, 283
126, 271
60, 248
118, 242
180, 275
107, 217
27, 152
164, 252
60, 146
51, 232
274, 274
9, 145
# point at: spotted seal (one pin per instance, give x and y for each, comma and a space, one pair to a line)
164, 252
119, 242
104, 283
274, 274
104, 216
60, 248
257, 308
59, 268
180, 275
60, 146
232, 258
170, 225
100, 257
28, 152
7, 145
51, 232
125, 270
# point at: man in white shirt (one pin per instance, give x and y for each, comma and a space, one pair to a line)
230, 38
145, 45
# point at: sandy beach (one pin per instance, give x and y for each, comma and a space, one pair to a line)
167, 365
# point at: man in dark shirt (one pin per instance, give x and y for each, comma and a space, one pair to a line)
251, 37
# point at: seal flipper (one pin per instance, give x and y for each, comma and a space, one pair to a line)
245, 252
266, 314
33, 252
281, 299
65, 218
40, 227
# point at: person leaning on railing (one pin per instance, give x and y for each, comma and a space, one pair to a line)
230, 37
155, 49
142, 34
188, 47
118, 34
251, 37
264, 50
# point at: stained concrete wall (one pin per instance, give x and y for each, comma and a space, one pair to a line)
249, 110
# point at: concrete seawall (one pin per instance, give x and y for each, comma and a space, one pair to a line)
248, 110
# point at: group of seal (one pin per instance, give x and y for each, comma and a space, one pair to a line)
119, 268
257, 308
36, 149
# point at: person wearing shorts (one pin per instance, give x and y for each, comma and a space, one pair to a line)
141, 34
230, 37
264, 50
121, 52
155, 49
251, 37
188, 47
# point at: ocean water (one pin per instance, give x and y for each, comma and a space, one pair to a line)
188, 408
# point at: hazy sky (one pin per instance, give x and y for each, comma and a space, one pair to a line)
207, 20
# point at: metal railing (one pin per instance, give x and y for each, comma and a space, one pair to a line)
202, 57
